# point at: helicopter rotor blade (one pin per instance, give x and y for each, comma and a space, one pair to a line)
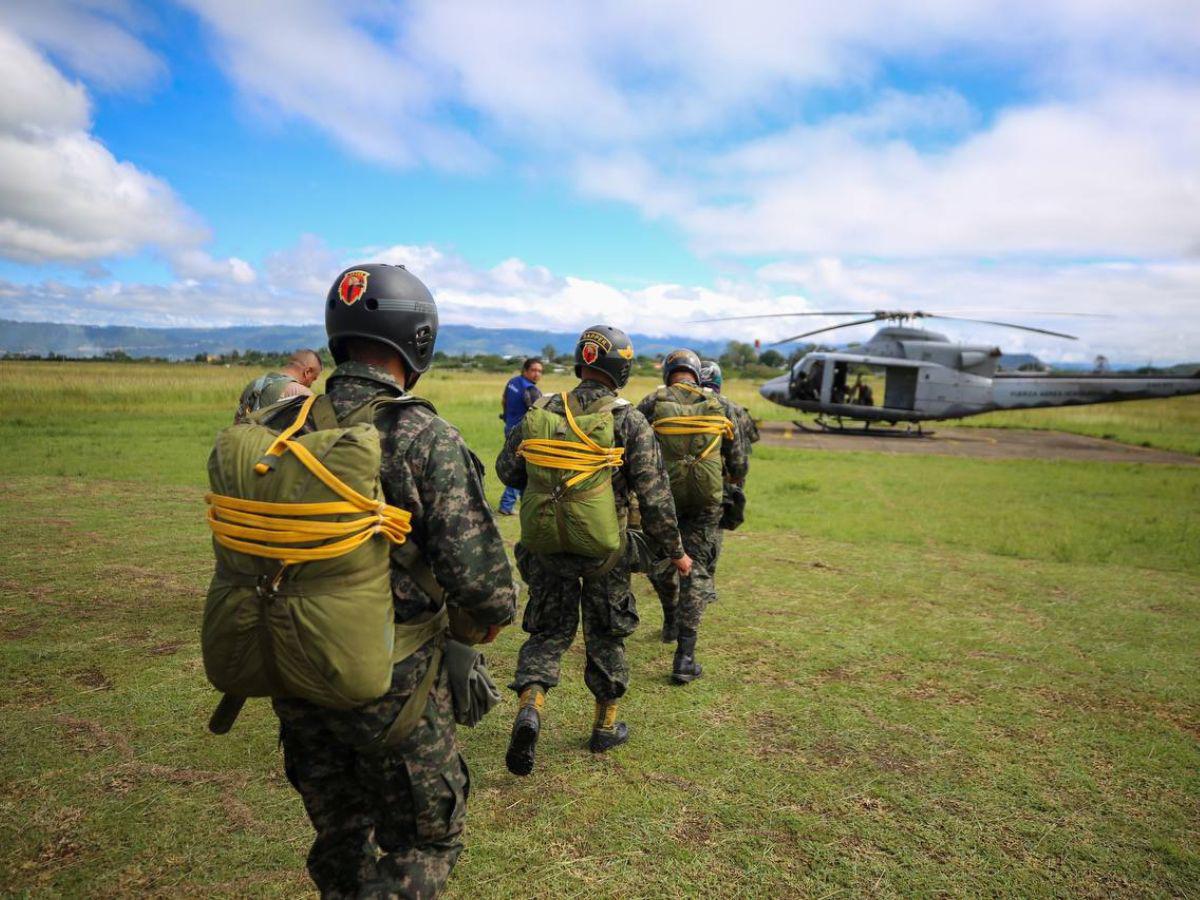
797, 337
1069, 337
1025, 312
860, 312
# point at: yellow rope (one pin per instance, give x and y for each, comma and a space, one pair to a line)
586, 458
719, 426
263, 528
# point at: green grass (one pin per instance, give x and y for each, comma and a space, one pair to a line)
924, 676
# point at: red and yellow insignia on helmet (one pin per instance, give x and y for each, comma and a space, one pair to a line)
625, 353
352, 286
589, 352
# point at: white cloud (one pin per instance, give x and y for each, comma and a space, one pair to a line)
291, 286
64, 197
763, 127
338, 66
1118, 175
91, 36
196, 265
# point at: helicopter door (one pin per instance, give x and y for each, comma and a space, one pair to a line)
900, 387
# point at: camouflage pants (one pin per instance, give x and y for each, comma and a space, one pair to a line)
556, 601
389, 823
702, 542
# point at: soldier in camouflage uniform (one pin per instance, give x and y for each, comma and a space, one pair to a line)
389, 821
711, 377
562, 586
691, 593
295, 380
734, 502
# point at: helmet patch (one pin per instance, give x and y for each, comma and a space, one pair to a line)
589, 352
601, 342
352, 286
625, 353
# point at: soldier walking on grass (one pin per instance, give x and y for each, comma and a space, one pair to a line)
712, 378
389, 815
578, 456
733, 500
703, 449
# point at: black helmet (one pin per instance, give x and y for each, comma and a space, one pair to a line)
710, 375
382, 303
681, 359
607, 349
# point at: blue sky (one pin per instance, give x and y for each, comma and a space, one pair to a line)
215, 162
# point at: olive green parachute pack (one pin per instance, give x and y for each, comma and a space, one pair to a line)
300, 603
690, 423
568, 505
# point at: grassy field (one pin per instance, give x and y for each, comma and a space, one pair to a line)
930, 676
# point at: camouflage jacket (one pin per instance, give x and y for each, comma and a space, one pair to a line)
428, 470
262, 391
734, 456
742, 418
643, 471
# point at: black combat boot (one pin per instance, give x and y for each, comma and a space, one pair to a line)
523, 743
607, 732
686, 668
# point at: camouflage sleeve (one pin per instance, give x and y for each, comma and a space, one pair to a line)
509, 467
749, 429
646, 406
459, 535
733, 450
646, 476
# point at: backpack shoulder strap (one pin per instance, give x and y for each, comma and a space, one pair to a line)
323, 414
368, 410
264, 414
540, 402
605, 404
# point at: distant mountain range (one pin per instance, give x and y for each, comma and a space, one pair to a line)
44, 338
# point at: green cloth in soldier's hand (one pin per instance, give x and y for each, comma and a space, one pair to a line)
642, 558
471, 687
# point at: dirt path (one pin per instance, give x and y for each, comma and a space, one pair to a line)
983, 443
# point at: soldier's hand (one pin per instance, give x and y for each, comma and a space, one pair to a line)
683, 565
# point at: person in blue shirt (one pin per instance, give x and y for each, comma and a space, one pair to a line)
520, 393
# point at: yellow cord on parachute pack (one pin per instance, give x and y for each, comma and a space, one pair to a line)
718, 426
266, 529
586, 458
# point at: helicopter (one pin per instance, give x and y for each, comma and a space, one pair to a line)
929, 378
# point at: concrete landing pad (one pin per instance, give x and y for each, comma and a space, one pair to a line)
981, 443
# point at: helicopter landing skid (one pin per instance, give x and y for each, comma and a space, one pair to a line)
837, 426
